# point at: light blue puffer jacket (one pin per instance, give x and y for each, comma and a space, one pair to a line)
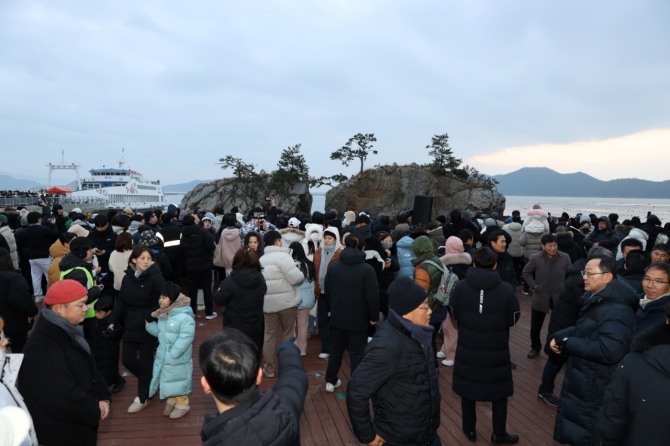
173, 366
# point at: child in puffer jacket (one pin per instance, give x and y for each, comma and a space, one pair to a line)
173, 366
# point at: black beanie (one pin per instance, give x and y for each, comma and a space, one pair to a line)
405, 296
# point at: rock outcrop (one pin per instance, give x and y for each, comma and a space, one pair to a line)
230, 192
391, 189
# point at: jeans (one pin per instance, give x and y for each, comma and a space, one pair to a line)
354, 341
499, 415
536, 321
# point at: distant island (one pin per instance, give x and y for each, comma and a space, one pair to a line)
545, 182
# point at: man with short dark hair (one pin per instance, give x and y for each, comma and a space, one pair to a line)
504, 264
545, 275
485, 308
231, 374
353, 301
598, 341
660, 253
103, 239
36, 240
280, 306
627, 245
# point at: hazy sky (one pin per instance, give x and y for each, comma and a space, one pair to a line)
574, 85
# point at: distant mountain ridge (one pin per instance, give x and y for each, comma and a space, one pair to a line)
545, 182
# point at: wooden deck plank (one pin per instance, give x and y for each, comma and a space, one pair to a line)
325, 421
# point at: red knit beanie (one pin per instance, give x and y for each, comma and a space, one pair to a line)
65, 291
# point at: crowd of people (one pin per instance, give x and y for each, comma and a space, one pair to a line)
81, 294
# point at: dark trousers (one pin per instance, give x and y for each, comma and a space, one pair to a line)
200, 280
536, 321
138, 358
323, 322
551, 369
499, 415
354, 341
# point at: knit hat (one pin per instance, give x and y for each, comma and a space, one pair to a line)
148, 238
405, 296
453, 245
490, 222
584, 219
76, 210
3, 218
294, 222
65, 291
128, 210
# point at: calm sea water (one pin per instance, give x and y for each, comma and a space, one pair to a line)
625, 207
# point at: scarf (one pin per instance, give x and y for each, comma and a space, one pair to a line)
75, 332
180, 301
326, 254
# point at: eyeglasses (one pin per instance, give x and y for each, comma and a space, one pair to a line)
589, 273
657, 282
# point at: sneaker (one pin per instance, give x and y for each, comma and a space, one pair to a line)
324, 355
533, 353
119, 385
137, 405
548, 398
330, 388
448, 362
209, 317
179, 411
169, 407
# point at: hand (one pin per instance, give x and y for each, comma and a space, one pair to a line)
554, 347
104, 409
97, 271
378, 441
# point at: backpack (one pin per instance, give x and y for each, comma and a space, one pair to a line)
447, 282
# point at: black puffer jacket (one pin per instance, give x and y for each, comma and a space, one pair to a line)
241, 295
104, 347
271, 418
353, 291
136, 301
636, 399
483, 368
652, 314
598, 341
398, 374
197, 245
16, 304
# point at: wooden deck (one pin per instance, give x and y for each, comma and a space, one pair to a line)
325, 420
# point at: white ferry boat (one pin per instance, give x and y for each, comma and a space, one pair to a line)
118, 188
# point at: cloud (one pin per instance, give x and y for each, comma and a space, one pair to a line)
641, 154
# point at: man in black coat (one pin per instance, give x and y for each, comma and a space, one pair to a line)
36, 240
197, 245
103, 239
231, 374
17, 308
598, 341
397, 362
354, 300
485, 308
65, 394
504, 263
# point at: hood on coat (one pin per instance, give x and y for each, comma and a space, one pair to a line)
313, 228
248, 278
231, 235
423, 249
71, 261
457, 258
58, 249
180, 302
652, 337
352, 256
335, 232
512, 226
482, 279
638, 234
